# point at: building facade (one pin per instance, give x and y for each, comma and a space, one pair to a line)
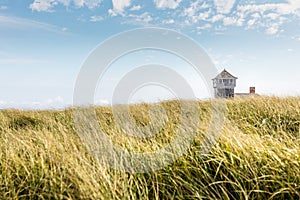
224, 84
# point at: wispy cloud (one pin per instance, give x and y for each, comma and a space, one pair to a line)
136, 8
204, 27
168, 21
219, 14
22, 61
22, 23
290, 7
53, 103
270, 17
296, 38
88, 3
143, 19
224, 6
118, 7
96, 18
3, 7
172, 4
273, 29
48, 5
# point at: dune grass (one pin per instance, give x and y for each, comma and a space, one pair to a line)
257, 156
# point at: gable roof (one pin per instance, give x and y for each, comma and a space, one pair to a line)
225, 74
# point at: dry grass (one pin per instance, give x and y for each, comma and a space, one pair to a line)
257, 157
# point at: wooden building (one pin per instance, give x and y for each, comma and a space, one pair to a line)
224, 84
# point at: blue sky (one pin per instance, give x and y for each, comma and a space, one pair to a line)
43, 44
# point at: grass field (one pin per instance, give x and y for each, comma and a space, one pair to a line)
257, 156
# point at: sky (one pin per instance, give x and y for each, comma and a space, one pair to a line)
44, 43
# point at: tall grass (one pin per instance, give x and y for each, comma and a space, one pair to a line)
257, 156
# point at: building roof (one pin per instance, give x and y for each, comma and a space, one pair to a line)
225, 74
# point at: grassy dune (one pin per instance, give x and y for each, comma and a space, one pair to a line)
257, 156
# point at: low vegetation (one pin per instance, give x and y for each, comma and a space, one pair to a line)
256, 157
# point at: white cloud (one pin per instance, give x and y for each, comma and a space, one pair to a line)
273, 29
88, 3
268, 16
227, 21
280, 8
290, 8
204, 15
22, 23
118, 7
272, 16
240, 22
48, 5
112, 12
261, 8
172, 4
251, 22
3, 7
195, 7
201, 16
270, 22
102, 102
96, 18
169, 21
204, 27
216, 18
296, 38
224, 6
142, 19
256, 15
145, 18
79, 3
43, 5
217, 13
136, 8
190, 11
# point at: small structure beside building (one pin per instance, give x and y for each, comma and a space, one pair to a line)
251, 93
224, 84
